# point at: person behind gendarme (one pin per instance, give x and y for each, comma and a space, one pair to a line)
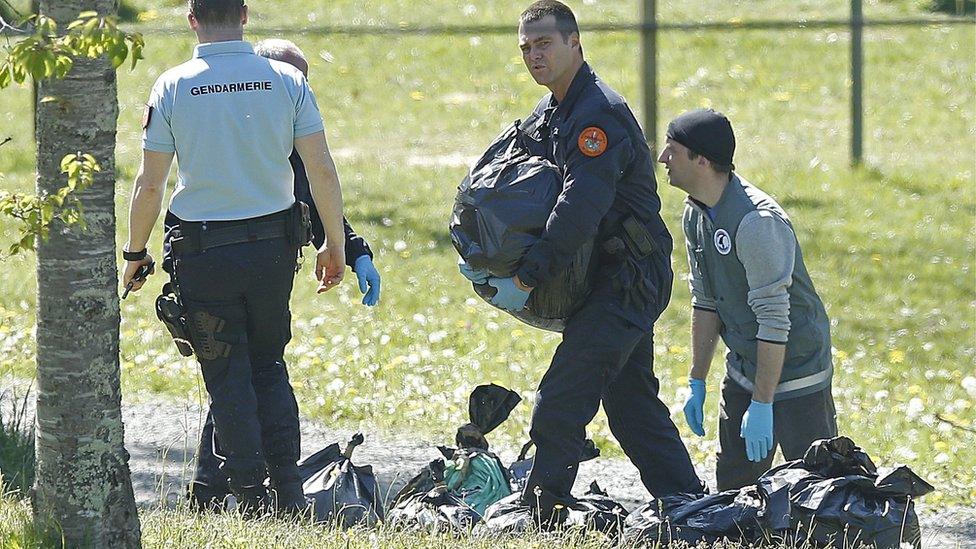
749, 284
232, 118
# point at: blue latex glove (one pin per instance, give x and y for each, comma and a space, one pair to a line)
509, 296
757, 429
695, 406
369, 280
478, 276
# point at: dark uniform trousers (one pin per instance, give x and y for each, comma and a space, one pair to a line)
255, 414
797, 422
605, 358
208, 464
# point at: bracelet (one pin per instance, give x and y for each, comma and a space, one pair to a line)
135, 256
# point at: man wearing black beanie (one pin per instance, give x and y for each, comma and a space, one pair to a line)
750, 286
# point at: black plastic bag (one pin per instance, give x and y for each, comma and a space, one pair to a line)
833, 497
436, 510
836, 497
501, 210
415, 505
519, 470
341, 492
734, 515
593, 511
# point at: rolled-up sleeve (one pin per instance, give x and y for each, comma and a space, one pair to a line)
766, 246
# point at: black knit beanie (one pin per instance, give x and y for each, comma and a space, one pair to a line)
705, 132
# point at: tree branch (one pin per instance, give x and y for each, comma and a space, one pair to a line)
7, 28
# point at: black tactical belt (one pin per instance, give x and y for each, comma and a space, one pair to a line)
195, 237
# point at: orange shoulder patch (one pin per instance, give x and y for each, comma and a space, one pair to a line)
592, 141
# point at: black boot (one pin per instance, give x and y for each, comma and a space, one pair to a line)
253, 498
286, 488
254, 502
204, 497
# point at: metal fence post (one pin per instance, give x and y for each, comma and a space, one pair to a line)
648, 14
857, 82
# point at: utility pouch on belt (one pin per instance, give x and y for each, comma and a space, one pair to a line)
299, 224
169, 311
632, 237
637, 239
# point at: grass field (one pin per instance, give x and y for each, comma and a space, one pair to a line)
890, 247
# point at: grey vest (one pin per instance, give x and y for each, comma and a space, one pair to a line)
807, 367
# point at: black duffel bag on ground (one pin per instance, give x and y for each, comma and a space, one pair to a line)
834, 497
501, 210
340, 492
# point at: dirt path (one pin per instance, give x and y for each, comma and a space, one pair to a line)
161, 437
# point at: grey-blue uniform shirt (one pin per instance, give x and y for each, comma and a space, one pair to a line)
232, 118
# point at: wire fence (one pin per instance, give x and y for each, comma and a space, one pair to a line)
649, 28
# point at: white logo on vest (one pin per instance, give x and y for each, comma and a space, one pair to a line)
723, 242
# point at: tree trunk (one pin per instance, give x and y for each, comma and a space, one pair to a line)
83, 481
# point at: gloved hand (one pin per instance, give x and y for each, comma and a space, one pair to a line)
509, 296
478, 276
695, 406
757, 429
369, 280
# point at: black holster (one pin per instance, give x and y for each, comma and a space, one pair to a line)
299, 224
170, 312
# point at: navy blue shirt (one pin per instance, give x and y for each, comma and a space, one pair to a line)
608, 174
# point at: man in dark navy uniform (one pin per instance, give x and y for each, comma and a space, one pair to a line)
209, 487
610, 197
232, 118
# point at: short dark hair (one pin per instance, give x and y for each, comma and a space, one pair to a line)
565, 20
216, 13
719, 168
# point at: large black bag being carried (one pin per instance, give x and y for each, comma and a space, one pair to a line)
501, 210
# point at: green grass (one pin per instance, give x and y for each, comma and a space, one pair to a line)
16, 445
890, 247
179, 529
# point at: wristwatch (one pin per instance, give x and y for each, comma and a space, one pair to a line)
135, 256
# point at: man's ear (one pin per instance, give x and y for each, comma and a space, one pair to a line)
574, 40
244, 15
194, 24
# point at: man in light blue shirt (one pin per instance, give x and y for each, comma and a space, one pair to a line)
232, 118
